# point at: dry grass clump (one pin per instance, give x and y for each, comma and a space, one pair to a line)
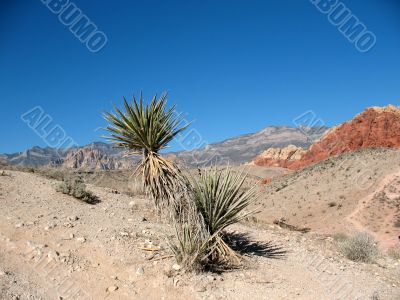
360, 247
75, 187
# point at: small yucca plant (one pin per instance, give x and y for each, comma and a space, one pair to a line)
222, 201
192, 242
146, 130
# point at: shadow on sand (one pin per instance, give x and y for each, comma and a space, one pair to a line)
244, 245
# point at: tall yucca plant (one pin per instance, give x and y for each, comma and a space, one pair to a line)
145, 130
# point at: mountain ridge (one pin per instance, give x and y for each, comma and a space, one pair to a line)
235, 150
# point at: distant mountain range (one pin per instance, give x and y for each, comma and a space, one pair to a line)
236, 150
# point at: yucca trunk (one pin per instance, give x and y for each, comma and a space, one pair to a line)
162, 179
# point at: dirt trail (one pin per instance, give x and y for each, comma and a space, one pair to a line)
363, 205
53, 246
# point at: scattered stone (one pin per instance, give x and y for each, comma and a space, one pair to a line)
176, 267
53, 255
73, 218
140, 271
144, 219
124, 233
211, 278
112, 288
81, 239
2, 273
50, 226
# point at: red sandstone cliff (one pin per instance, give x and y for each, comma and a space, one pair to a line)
375, 127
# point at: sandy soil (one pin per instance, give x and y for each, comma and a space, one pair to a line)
55, 247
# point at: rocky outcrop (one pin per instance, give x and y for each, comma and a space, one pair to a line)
89, 158
279, 157
374, 127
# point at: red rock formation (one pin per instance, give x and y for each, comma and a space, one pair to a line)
375, 127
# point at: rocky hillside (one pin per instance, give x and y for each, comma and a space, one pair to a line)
375, 127
244, 148
37, 156
90, 158
278, 157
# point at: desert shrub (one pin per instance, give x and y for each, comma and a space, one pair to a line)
397, 223
359, 247
394, 252
340, 236
75, 187
52, 173
332, 204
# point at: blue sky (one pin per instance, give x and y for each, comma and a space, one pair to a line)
233, 66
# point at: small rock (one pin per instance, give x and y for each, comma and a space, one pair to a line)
124, 233
50, 226
73, 218
140, 271
53, 255
19, 225
176, 267
81, 239
175, 281
132, 203
2, 273
112, 288
71, 235
210, 278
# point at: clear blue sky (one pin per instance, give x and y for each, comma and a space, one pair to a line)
233, 66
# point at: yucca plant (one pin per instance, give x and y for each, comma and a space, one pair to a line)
146, 130
191, 244
222, 201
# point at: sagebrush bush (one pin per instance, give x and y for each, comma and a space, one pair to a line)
360, 247
340, 237
75, 187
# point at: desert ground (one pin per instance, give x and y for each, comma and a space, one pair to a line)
53, 246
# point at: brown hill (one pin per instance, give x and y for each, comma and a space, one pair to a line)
375, 127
